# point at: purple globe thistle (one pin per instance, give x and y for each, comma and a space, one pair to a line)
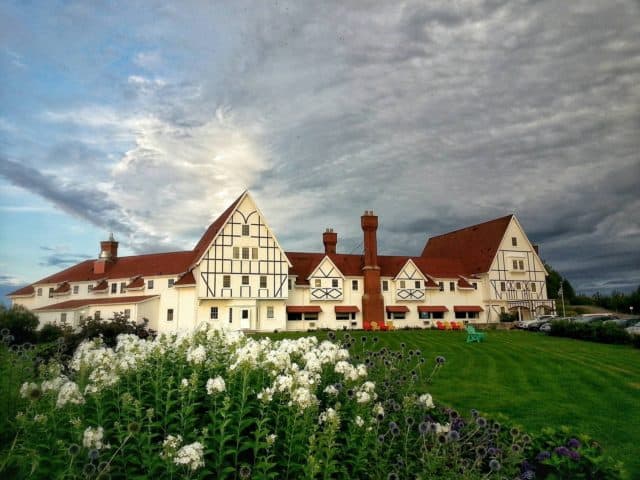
528, 475
494, 465
514, 432
423, 428
245, 471
453, 436
574, 455
409, 421
393, 476
395, 431
574, 443
380, 438
543, 455
481, 451
393, 425
474, 413
562, 451
440, 360
481, 422
515, 448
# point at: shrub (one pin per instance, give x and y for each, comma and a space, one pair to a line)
595, 332
508, 317
635, 340
19, 322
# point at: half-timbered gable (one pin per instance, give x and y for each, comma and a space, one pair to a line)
326, 282
410, 282
517, 275
244, 258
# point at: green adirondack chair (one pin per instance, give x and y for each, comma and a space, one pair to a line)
473, 335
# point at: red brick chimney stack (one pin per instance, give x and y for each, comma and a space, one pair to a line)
330, 240
108, 255
372, 301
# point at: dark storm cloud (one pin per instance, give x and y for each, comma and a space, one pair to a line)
436, 114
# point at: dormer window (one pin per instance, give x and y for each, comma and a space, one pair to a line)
385, 285
76, 289
114, 288
245, 230
514, 242
170, 282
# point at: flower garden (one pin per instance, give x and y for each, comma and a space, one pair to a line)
217, 404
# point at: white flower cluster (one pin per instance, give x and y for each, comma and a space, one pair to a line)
190, 456
426, 401
54, 384
328, 416
216, 385
27, 388
366, 393
69, 393
349, 371
93, 437
197, 355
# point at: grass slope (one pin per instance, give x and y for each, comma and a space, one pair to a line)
537, 381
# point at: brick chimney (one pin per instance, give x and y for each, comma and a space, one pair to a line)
372, 301
108, 255
330, 240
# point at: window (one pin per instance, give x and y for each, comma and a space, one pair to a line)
290, 284
311, 316
245, 230
96, 315
294, 316
518, 285
236, 252
396, 315
343, 316
515, 264
475, 285
441, 286
403, 284
452, 286
170, 282
417, 283
245, 279
231, 315
533, 287
40, 292
123, 286
461, 315
89, 288
503, 286
127, 312
473, 315
317, 283
114, 288
354, 285
63, 317
269, 312
76, 289
432, 315
170, 315
150, 284
50, 292
521, 264
245, 253
385, 285
213, 313
263, 281
514, 241
254, 253
244, 314
226, 281
334, 283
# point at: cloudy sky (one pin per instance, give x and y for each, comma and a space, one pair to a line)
149, 119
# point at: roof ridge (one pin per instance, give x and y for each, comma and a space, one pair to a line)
473, 226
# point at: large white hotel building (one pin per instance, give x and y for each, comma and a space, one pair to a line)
239, 277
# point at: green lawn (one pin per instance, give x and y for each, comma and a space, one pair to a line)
538, 381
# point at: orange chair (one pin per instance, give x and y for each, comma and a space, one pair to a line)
447, 326
440, 325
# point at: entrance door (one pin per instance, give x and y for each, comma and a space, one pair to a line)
245, 319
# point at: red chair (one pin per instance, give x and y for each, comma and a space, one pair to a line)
456, 326
440, 325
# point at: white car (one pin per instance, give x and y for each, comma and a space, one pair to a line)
634, 329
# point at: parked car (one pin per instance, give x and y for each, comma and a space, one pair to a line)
525, 324
545, 327
595, 317
623, 322
634, 329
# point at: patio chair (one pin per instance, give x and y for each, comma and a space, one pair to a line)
447, 325
473, 335
440, 325
456, 326
374, 326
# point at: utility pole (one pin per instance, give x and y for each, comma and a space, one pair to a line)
561, 293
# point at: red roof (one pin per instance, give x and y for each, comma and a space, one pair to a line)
463, 283
346, 309
186, 279
397, 308
136, 283
213, 230
28, 290
75, 304
467, 308
474, 247
63, 288
432, 308
430, 283
103, 285
303, 309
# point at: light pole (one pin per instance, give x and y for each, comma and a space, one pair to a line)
631, 309
561, 293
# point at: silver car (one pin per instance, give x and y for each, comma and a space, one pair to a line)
634, 329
